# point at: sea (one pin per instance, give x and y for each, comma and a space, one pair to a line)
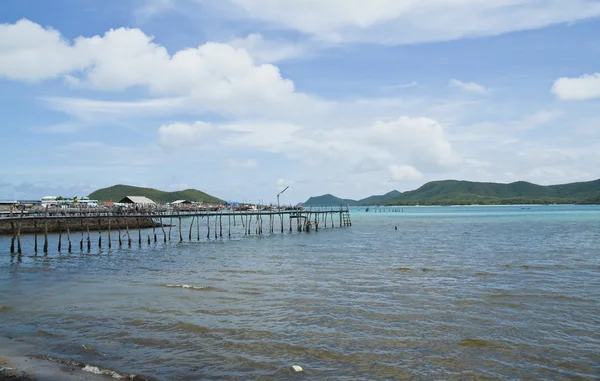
419, 293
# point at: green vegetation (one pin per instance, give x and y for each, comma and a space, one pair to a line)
453, 192
117, 192
327, 200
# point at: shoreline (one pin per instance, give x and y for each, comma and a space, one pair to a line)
20, 361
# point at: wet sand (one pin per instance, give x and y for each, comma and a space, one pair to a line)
23, 362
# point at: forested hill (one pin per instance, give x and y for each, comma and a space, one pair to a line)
455, 192
117, 192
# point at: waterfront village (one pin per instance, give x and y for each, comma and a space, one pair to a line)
128, 202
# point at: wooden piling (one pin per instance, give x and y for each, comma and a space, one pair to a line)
163, 230
14, 234
19, 251
89, 241
81, 241
170, 226
69, 237
198, 228
35, 244
139, 232
216, 218
109, 239
221, 225
191, 226
229, 229
99, 234
128, 235
180, 235
119, 232
59, 235
208, 227
46, 231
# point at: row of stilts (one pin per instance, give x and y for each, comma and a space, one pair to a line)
257, 223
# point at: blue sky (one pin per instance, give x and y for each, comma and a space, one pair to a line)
240, 98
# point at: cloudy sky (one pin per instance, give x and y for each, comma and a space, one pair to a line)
240, 98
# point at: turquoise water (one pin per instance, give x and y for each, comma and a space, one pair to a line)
454, 293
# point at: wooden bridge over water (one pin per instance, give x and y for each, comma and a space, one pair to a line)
162, 222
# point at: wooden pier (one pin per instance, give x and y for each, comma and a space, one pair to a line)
216, 223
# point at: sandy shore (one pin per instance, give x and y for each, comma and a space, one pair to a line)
23, 362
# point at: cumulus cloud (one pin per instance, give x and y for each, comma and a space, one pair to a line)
176, 136
470, 87
581, 88
404, 172
214, 76
265, 51
410, 21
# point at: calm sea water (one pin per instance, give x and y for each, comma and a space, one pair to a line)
454, 293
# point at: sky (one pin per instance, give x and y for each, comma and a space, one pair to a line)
241, 98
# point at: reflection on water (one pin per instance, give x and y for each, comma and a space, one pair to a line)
454, 293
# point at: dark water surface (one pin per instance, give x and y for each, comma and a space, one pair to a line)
454, 293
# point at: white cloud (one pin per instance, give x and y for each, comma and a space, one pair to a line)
175, 136
264, 51
581, 88
410, 21
212, 77
470, 87
404, 172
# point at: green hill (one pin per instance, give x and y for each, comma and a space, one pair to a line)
117, 192
455, 192
380, 199
328, 200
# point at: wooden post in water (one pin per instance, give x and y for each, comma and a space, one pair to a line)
35, 245
170, 226
89, 241
128, 235
69, 236
99, 234
154, 231
216, 218
163, 230
119, 232
19, 231
208, 226
180, 236
46, 231
14, 233
109, 239
229, 230
191, 226
221, 225
82, 229
137, 220
59, 235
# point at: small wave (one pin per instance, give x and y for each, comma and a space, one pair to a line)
93, 369
483, 273
102, 372
189, 286
403, 269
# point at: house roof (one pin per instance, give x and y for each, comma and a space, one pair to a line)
181, 202
136, 200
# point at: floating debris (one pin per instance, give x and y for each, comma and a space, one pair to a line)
297, 368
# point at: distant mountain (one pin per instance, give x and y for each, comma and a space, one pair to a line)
380, 200
328, 200
455, 192
117, 192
